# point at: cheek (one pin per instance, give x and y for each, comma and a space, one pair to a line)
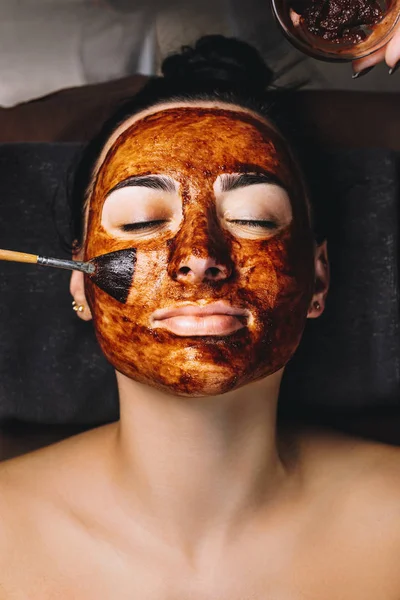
117, 329
260, 277
145, 289
150, 276
277, 272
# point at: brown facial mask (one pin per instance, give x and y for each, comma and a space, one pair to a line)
226, 237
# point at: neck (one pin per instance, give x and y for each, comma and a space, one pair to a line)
196, 465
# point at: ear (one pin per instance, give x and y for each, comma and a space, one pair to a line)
77, 289
322, 279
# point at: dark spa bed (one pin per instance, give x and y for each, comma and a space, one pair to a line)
346, 374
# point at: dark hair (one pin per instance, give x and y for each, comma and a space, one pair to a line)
217, 69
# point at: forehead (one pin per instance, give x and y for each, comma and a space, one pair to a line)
168, 106
193, 139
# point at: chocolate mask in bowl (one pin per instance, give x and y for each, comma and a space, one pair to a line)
337, 30
214, 205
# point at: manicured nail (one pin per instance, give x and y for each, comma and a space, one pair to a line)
362, 73
394, 69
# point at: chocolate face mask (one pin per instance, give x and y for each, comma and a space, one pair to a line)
213, 207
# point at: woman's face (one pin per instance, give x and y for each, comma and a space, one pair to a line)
213, 206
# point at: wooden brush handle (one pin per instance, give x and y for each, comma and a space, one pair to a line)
18, 256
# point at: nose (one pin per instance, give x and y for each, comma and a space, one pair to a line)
195, 269
200, 252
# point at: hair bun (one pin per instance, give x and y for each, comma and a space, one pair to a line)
216, 58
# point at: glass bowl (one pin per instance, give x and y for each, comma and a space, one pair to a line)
286, 13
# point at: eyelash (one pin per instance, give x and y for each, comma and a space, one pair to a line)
141, 225
250, 223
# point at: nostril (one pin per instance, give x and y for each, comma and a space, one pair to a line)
196, 270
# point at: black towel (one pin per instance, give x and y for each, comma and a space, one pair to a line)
51, 370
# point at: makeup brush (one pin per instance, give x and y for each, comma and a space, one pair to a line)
112, 272
23, 257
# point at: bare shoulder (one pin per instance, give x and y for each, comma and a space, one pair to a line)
358, 478
338, 457
43, 495
349, 453
349, 501
35, 485
53, 456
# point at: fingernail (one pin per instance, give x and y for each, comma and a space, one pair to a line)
362, 73
394, 69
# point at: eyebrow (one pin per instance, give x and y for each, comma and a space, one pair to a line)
238, 180
154, 182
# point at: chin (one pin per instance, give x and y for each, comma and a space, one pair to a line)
199, 385
197, 370
208, 382
189, 380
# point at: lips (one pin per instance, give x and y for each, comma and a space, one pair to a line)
217, 318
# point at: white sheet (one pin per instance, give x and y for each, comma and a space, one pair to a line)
48, 45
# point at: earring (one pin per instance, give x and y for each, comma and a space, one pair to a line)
77, 307
316, 305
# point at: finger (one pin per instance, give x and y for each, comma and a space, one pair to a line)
392, 55
369, 61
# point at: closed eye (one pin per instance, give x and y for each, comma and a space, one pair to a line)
141, 225
254, 223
